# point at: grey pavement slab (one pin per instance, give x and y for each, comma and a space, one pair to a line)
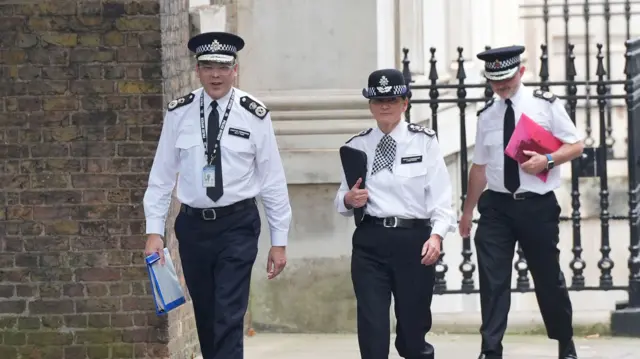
448, 346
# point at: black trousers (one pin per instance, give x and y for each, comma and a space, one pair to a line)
386, 261
534, 223
217, 259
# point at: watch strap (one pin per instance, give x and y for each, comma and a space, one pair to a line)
550, 162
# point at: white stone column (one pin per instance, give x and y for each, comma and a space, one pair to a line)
308, 61
307, 45
459, 20
481, 30
387, 49
435, 35
508, 28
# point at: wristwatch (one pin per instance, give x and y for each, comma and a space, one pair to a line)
550, 162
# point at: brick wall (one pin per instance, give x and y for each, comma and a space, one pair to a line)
81, 105
179, 79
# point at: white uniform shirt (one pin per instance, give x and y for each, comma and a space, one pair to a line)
418, 189
489, 149
250, 166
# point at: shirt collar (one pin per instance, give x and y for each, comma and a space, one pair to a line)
518, 95
222, 102
398, 133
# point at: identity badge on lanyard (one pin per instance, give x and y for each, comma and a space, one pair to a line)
209, 170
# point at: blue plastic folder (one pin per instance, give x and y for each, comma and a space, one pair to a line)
167, 291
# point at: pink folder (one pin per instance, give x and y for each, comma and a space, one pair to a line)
530, 136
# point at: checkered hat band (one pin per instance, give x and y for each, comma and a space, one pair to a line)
497, 66
219, 47
395, 90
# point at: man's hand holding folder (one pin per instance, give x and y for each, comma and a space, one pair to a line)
154, 245
167, 291
529, 144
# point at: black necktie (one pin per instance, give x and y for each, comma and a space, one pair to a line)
212, 134
511, 168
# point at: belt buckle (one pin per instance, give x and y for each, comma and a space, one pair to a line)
518, 196
209, 218
390, 222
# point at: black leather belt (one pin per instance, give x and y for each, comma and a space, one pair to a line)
521, 196
211, 214
395, 222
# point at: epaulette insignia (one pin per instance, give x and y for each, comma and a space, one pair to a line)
545, 95
361, 133
486, 106
184, 100
417, 128
253, 106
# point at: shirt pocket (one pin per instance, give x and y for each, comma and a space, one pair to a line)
493, 142
186, 142
191, 156
237, 144
413, 170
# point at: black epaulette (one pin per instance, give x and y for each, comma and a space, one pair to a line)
486, 106
361, 133
545, 95
254, 107
179, 102
421, 129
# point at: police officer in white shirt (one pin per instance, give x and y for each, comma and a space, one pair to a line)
220, 143
517, 205
408, 212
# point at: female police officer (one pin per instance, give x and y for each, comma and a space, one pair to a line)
408, 212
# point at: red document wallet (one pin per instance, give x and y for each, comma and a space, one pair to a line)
530, 136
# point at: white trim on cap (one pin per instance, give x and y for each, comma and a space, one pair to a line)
216, 58
501, 75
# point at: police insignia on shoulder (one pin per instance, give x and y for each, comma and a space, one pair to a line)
486, 106
361, 133
179, 102
253, 106
545, 95
418, 128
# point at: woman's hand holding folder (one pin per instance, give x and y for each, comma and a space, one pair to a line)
356, 197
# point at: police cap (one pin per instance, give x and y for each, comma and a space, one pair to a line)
219, 47
501, 63
385, 83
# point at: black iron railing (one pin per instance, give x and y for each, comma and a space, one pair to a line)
592, 164
585, 16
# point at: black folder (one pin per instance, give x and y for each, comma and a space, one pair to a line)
354, 164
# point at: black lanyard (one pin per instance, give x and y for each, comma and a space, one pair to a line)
222, 125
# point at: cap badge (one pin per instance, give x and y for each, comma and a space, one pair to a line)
383, 88
215, 45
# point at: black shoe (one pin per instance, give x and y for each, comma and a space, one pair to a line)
489, 356
567, 350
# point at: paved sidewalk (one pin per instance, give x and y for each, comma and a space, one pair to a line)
344, 346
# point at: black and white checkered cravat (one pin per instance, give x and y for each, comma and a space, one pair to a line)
385, 155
